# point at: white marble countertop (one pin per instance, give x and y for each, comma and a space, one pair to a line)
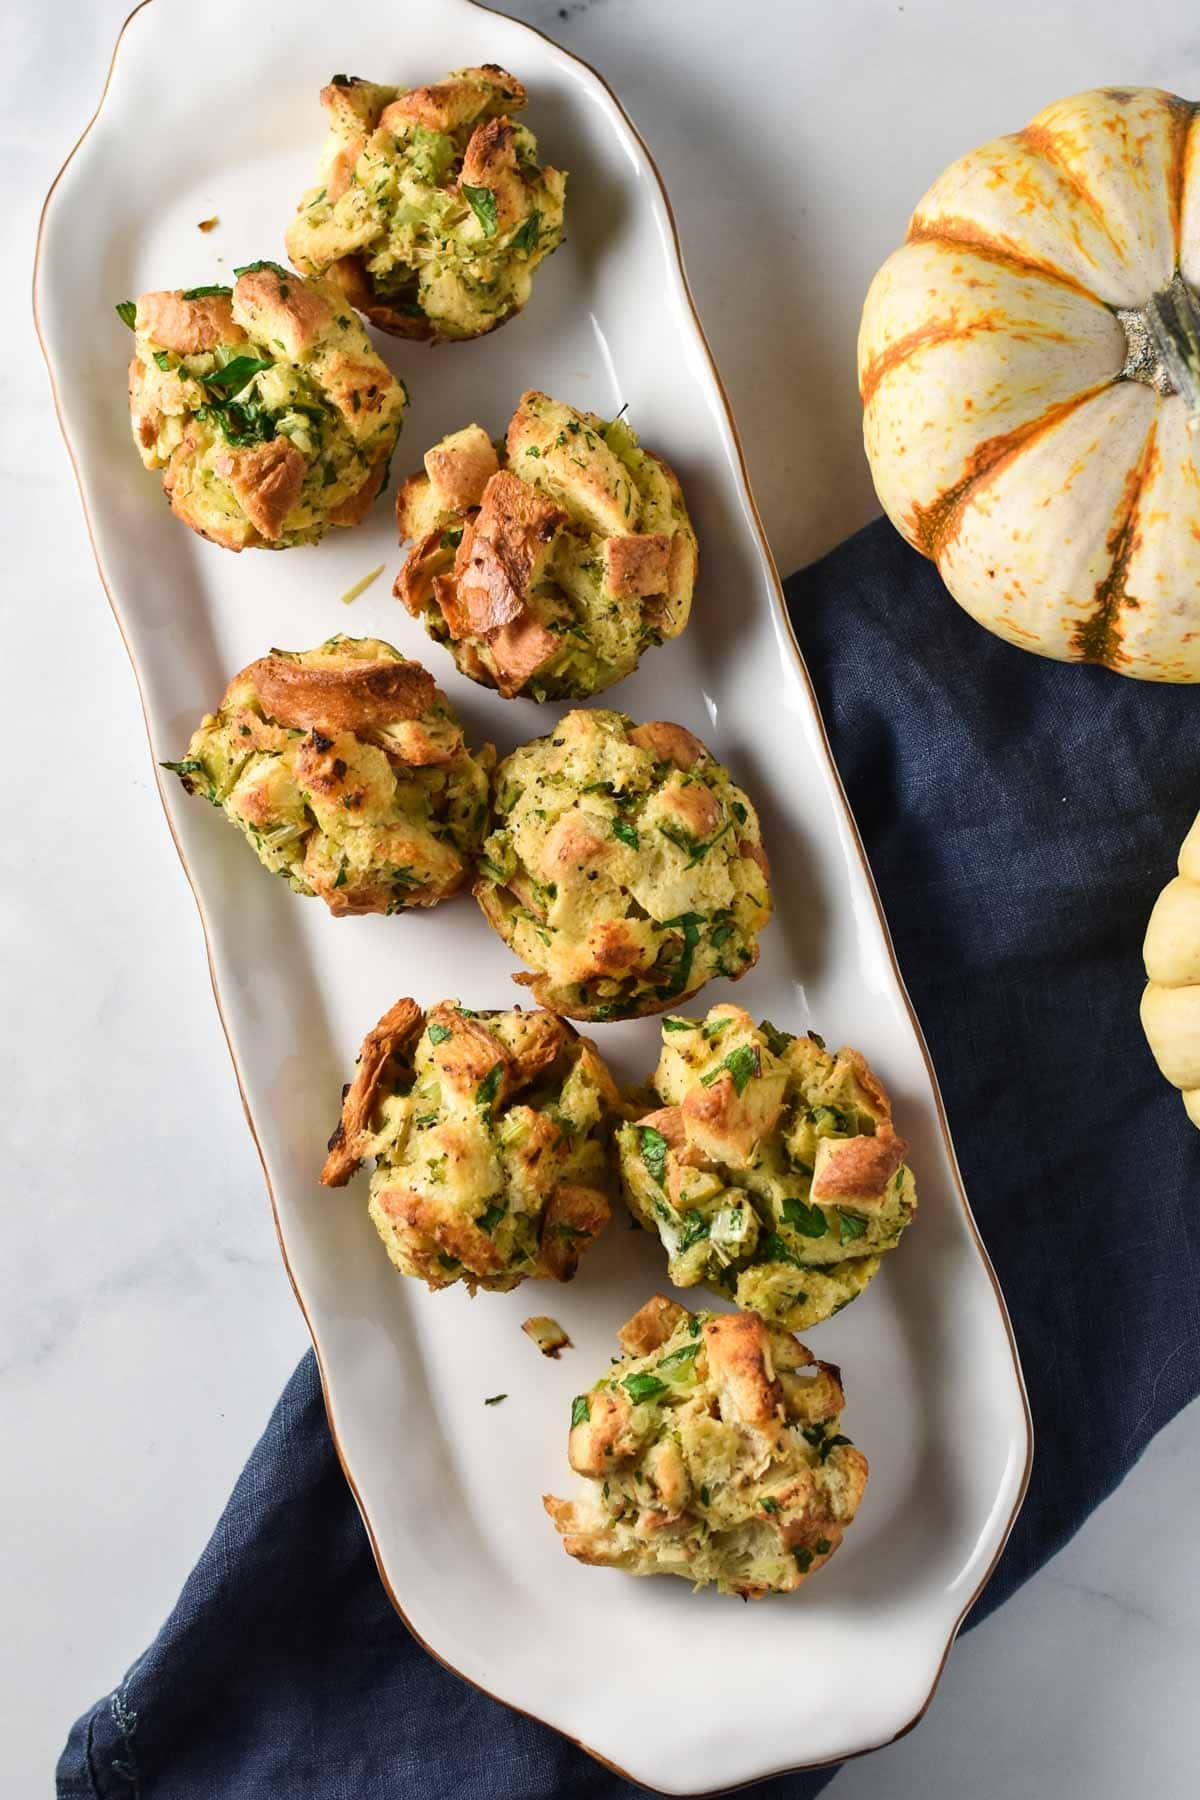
147, 1324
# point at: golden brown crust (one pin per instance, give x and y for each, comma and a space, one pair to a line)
572, 844
410, 523
721, 1122
583, 1544
355, 105
550, 553
541, 1038
519, 650
668, 1122
637, 565
490, 161
873, 1091
857, 1168
712, 1450
668, 743
444, 105
266, 481
498, 559
695, 809
399, 1027
605, 1438
188, 327
596, 487
283, 309
739, 1359
413, 586
651, 1325
459, 469
359, 388
809, 1398
454, 1236
468, 1054
360, 698
573, 1217
612, 950
411, 742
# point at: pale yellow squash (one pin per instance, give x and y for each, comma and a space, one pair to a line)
1029, 364
1171, 1002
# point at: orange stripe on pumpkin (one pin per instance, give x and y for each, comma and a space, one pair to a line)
934, 526
935, 332
952, 230
1184, 114
1043, 144
1098, 639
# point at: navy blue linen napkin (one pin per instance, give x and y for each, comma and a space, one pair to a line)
1020, 816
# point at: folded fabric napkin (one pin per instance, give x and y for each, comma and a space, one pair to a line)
1020, 816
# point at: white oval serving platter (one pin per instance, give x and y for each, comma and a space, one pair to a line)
684, 1692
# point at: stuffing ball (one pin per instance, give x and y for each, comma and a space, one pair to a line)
347, 771
771, 1172
430, 211
264, 405
548, 563
624, 867
492, 1138
711, 1450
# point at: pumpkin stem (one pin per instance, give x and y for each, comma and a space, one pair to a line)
1173, 319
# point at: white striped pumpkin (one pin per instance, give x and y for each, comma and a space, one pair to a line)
1029, 363
1171, 1002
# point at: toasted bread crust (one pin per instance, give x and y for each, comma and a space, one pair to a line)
860, 1169
282, 308
267, 481
616, 877
492, 1136
711, 1450
549, 559
651, 1325
188, 326
348, 774
460, 468
467, 271
393, 1035
218, 387
361, 697
668, 743
783, 1174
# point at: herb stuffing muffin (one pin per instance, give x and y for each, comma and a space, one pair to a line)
430, 210
771, 1172
711, 1450
492, 1138
264, 405
347, 771
624, 867
548, 563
